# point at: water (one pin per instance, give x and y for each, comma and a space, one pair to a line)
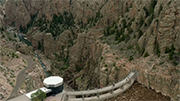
43, 66
21, 37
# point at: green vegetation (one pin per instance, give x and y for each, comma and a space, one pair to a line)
39, 95
141, 21
131, 58
175, 63
117, 69
39, 45
167, 50
11, 84
14, 55
90, 21
140, 33
119, 35
150, 12
109, 31
63, 68
154, 67
30, 24
146, 11
129, 47
127, 38
160, 9
171, 55
169, 2
141, 51
114, 64
58, 24
24, 61
157, 50
152, 6
146, 54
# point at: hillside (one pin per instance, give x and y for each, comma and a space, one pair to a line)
97, 42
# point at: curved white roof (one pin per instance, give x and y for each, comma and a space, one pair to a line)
53, 81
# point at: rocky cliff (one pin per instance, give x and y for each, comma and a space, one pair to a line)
112, 37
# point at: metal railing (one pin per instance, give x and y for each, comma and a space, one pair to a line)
104, 93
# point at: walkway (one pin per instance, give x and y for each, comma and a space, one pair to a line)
93, 95
21, 77
104, 93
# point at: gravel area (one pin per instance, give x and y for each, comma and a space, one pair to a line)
138, 92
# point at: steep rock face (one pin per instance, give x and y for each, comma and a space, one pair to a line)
83, 62
18, 16
48, 44
169, 25
144, 26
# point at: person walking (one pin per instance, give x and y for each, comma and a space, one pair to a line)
113, 84
101, 87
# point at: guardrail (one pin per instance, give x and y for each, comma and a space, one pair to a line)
104, 93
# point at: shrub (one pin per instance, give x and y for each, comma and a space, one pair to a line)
140, 33
114, 64
175, 63
105, 65
138, 48
39, 95
121, 38
157, 51
145, 24
141, 21
121, 49
153, 4
167, 50
171, 55
129, 47
146, 54
146, 11
160, 9
24, 61
106, 69
63, 68
14, 55
116, 68
131, 58
127, 38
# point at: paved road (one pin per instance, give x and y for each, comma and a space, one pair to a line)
21, 77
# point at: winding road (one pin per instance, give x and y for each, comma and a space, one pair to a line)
21, 77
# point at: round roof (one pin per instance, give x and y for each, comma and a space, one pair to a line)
53, 81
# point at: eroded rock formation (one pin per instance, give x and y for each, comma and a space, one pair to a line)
140, 35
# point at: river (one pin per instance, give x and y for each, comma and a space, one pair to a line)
22, 38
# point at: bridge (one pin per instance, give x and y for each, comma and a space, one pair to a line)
103, 93
93, 95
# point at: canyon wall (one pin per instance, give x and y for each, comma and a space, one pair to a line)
111, 37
